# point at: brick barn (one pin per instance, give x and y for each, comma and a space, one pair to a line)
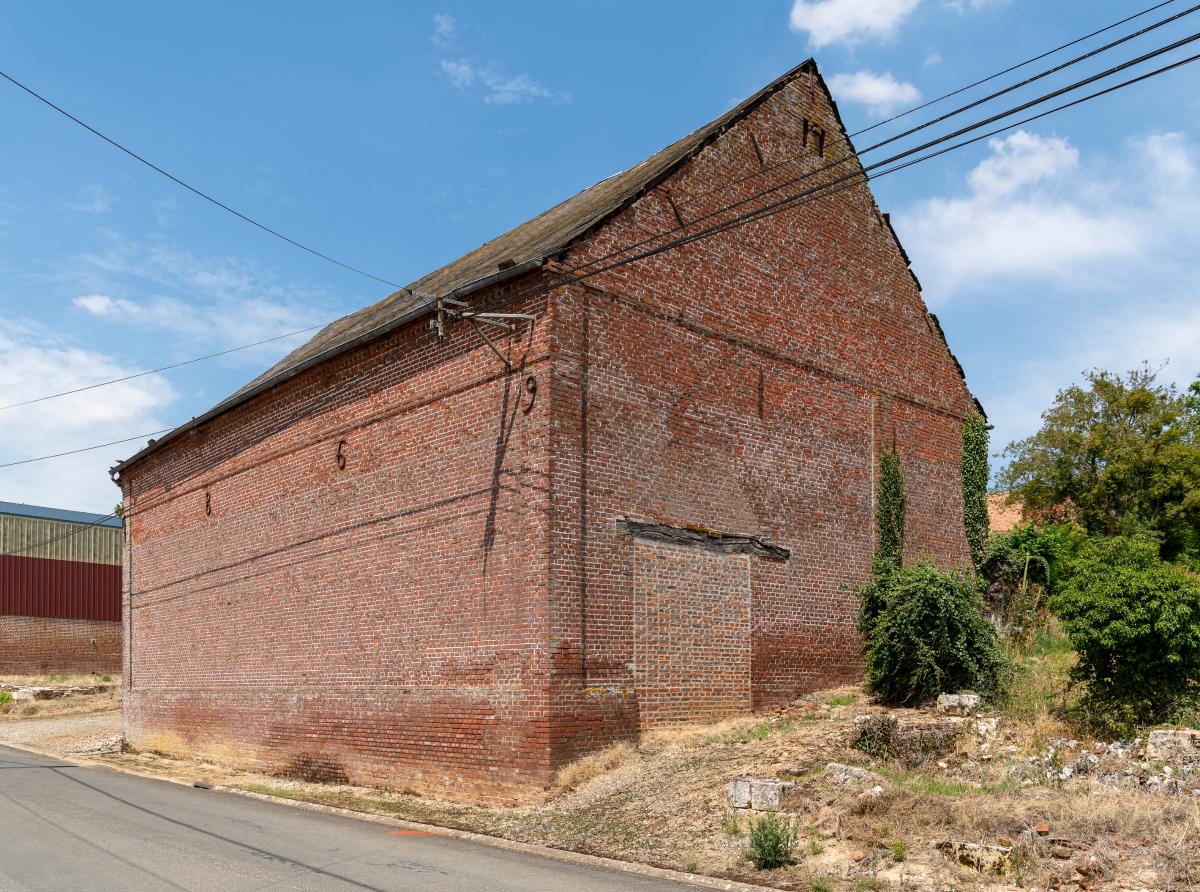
60, 591
412, 555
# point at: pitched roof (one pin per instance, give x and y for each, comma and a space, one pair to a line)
514, 253
62, 514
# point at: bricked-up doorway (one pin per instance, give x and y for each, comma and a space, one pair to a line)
691, 628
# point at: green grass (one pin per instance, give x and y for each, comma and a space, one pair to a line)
5, 697
928, 785
730, 824
869, 884
899, 850
843, 700
106, 678
821, 883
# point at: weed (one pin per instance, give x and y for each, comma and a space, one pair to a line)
761, 731
772, 841
106, 678
821, 883
899, 850
815, 848
869, 884
876, 736
730, 824
31, 709
5, 697
885, 830
843, 700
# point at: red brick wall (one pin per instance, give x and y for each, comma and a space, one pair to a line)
385, 622
743, 383
691, 633
31, 645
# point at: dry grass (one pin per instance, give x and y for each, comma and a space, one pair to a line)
592, 765
86, 704
58, 681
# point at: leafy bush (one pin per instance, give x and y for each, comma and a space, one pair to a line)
772, 841
1134, 621
927, 634
1022, 568
1041, 555
5, 697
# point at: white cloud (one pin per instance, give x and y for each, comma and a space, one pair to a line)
849, 21
490, 78
201, 302
93, 200
964, 5
498, 88
882, 94
1025, 216
445, 30
33, 362
1020, 159
1080, 261
934, 58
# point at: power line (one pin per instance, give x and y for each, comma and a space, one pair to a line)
170, 176
27, 461
75, 532
843, 187
174, 365
852, 155
1012, 68
843, 183
737, 180
576, 275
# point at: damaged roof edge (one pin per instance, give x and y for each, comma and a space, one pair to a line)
415, 313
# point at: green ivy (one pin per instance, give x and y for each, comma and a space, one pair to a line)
974, 485
889, 512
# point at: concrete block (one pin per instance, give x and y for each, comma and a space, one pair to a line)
957, 704
768, 795
1169, 745
739, 794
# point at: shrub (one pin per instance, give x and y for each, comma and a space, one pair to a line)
5, 697
772, 841
1134, 621
930, 636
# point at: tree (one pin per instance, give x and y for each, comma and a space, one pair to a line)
1123, 453
974, 484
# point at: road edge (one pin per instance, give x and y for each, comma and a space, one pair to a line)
631, 867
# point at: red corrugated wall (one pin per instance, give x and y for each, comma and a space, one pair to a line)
34, 586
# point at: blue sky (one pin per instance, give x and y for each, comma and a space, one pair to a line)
397, 136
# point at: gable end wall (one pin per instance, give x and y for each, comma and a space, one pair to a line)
744, 383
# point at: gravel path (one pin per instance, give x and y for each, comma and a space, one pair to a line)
69, 734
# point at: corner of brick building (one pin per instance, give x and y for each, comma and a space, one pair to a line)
382, 622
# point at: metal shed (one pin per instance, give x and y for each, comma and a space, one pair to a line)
59, 564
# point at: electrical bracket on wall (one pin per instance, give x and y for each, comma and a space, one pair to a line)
448, 308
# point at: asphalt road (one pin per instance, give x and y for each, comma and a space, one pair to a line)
68, 827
